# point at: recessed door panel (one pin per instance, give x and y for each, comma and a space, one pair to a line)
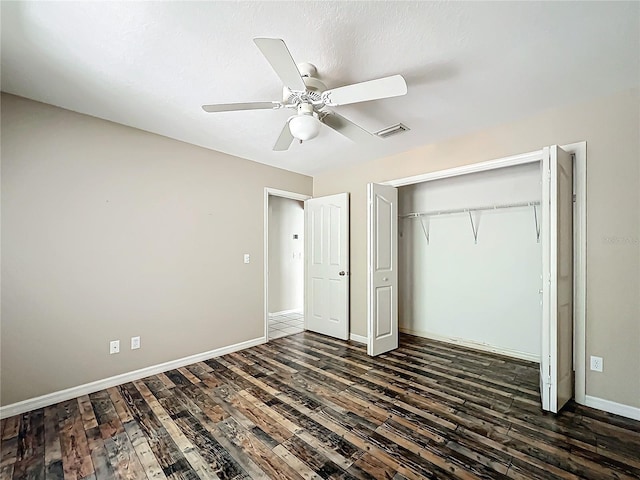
335, 231
383, 234
336, 300
316, 234
315, 297
384, 313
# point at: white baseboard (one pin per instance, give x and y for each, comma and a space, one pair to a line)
357, 338
475, 345
613, 407
73, 392
285, 312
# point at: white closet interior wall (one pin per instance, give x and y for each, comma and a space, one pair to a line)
484, 293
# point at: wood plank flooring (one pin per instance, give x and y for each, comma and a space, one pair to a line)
311, 407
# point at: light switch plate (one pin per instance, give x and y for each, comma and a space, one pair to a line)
247, 258
135, 343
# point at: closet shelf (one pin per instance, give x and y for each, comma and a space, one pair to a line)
474, 225
434, 213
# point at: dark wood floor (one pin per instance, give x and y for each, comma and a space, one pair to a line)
308, 406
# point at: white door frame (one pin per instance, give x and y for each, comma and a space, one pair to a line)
275, 193
579, 154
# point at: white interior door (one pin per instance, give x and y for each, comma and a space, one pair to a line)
382, 271
556, 365
327, 265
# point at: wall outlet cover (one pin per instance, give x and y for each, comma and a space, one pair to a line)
114, 347
135, 343
596, 363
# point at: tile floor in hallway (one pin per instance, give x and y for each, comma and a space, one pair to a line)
285, 324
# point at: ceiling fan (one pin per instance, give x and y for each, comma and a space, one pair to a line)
310, 98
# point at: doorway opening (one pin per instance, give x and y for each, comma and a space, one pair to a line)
284, 263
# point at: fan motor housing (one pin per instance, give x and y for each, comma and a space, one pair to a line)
313, 92
314, 85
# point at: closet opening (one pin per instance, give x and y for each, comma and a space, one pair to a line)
489, 256
470, 260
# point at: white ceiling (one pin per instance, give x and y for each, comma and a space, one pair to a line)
151, 65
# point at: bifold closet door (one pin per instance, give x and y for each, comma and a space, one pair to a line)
556, 364
382, 271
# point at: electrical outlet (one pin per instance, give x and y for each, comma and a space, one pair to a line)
114, 347
247, 258
135, 343
596, 363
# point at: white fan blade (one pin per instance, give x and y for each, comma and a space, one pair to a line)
362, 92
277, 54
284, 140
232, 107
346, 127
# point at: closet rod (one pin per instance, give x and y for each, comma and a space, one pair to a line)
464, 210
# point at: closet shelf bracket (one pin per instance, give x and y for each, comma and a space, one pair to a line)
535, 218
474, 228
425, 229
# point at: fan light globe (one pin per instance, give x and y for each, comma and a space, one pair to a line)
304, 127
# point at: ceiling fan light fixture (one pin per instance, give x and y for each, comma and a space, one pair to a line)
303, 90
305, 125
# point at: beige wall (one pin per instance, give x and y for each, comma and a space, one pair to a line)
110, 232
611, 127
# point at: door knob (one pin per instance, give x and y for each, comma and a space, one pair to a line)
342, 273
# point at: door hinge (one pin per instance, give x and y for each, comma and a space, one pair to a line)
574, 198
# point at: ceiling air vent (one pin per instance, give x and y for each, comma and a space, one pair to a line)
392, 130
